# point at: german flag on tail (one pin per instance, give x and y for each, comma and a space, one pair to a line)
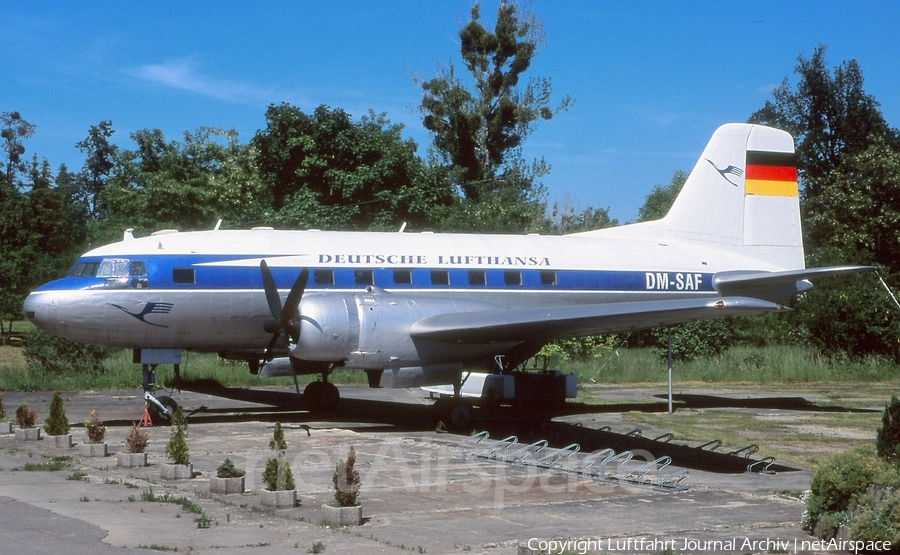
771, 174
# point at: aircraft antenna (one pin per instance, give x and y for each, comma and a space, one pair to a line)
219, 223
888, 289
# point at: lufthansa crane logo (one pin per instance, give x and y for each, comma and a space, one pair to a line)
149, 308
725, 172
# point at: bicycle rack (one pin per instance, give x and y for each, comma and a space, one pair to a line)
713, 445
746, 451
767, 466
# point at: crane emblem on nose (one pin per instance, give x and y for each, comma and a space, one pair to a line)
149, 308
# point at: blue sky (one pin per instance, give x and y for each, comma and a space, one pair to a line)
651, 80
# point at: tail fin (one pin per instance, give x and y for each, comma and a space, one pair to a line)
742, 194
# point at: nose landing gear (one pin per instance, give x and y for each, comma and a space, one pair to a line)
159, 408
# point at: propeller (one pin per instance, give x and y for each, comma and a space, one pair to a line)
286, 319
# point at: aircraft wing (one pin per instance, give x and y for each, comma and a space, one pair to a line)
776, 286
545, 324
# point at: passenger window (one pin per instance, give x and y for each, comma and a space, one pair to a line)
183, 275
477, 277
513, 278
403, 277
548, 277
440, 277
323, 277
363, 277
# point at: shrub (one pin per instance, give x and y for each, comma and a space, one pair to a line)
96, 430
277, 475
228, 470
841, 493
57, 424
880, 520
278, 443
694, 340
177, 448
346, 481
47, 353
137, 440
25, 416
887, 441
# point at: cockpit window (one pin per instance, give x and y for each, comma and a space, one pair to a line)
113, 268
84, 269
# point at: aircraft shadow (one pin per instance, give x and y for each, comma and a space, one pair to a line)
692, 401
536, 423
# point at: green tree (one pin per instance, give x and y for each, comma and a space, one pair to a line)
98, 164
40, 232
659, 200
326, 171
13, 131
184, 185
480, 131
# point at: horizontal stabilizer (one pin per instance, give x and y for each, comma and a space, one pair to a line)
776, 286
545, 324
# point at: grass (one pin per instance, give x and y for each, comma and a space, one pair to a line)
757, 365
53, 464
797, 439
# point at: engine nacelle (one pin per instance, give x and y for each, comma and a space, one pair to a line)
329, 327
371, 330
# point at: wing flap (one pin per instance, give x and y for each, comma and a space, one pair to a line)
545, 324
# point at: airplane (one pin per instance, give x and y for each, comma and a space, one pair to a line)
416, 309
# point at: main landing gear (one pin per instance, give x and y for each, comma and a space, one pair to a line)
453, 411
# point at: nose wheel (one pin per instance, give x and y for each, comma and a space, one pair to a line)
161, 408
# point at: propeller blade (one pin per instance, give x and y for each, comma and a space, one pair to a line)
272, 296
285, 325
290, 314
275, 337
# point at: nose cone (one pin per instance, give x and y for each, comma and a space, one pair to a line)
40, 309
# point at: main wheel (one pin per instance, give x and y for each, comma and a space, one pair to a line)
460, 415
453, 412
321, 396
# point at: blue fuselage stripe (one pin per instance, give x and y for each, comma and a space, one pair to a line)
162, 268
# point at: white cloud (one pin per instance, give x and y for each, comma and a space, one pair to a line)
183, 74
